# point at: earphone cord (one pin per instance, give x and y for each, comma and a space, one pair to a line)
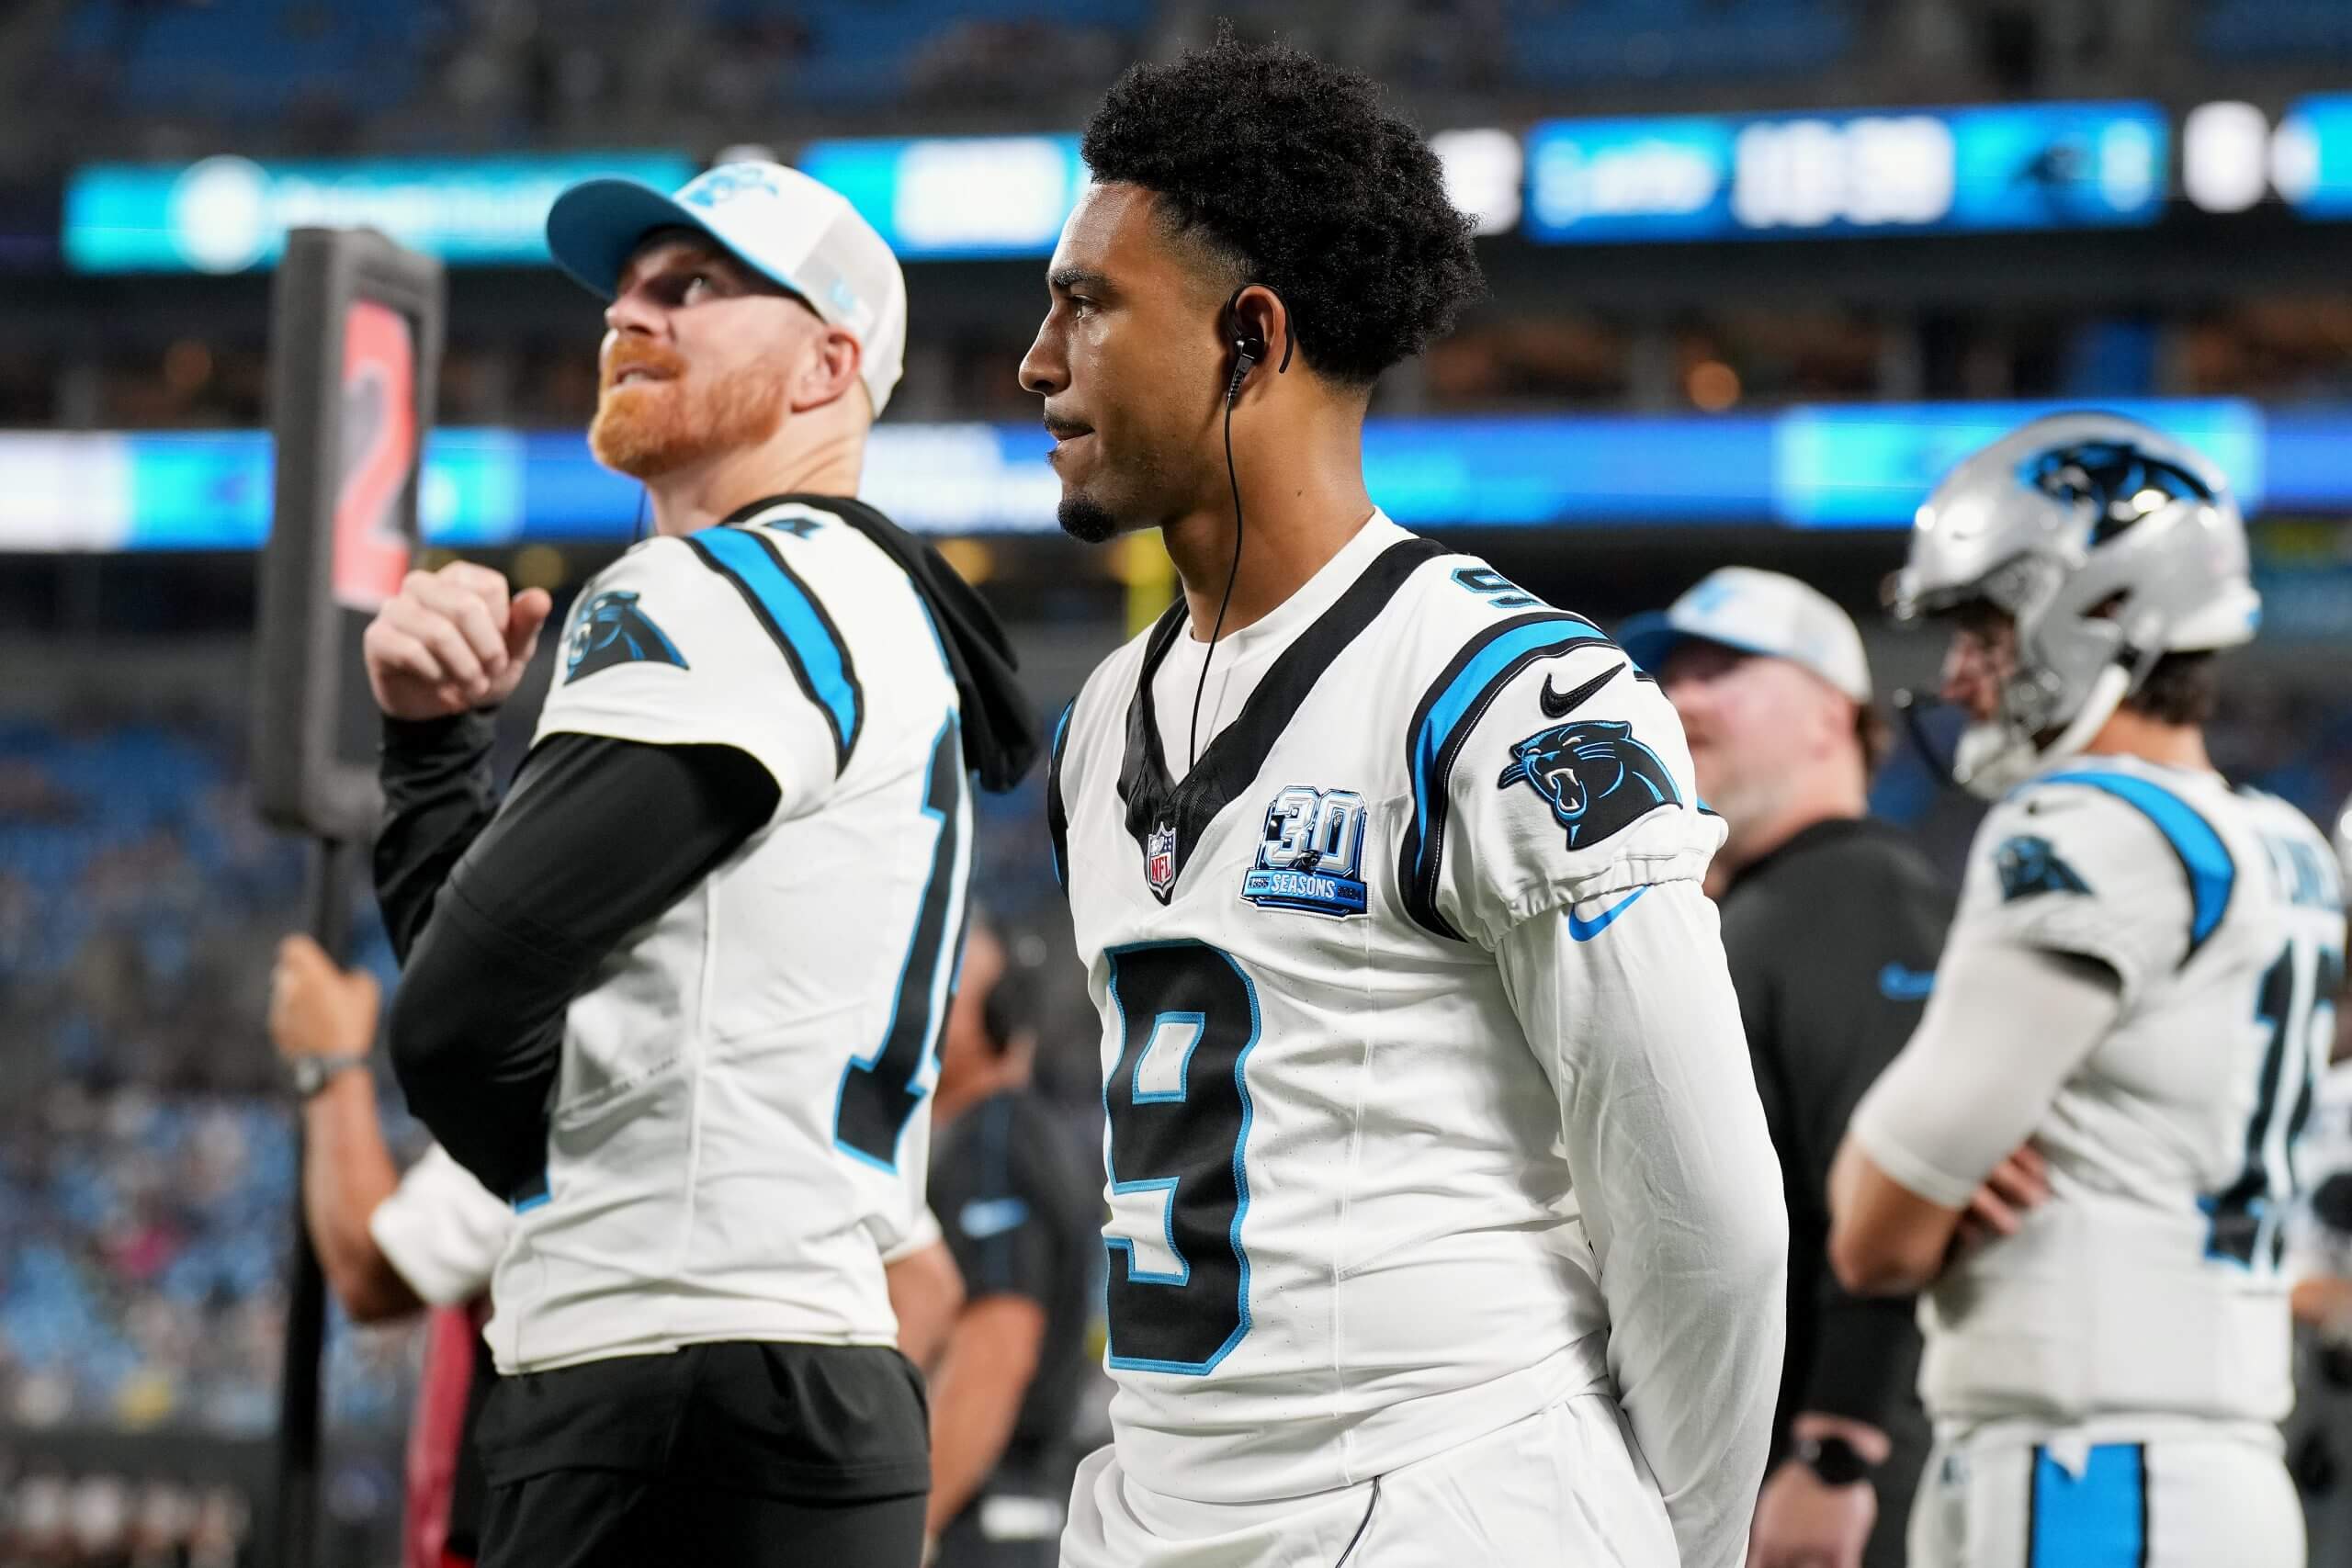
1193, 742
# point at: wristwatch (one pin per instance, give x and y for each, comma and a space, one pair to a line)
311, 1073
1834, 1460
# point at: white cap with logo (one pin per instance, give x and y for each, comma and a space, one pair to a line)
800, 234
1756, 612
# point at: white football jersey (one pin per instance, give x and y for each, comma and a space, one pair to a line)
2151, 1283
1342, 1235
2318, 1242
741, 1128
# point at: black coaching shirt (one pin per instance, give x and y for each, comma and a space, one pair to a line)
1833, 940
1022, 1211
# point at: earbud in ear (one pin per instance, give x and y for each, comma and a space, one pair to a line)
1248, 348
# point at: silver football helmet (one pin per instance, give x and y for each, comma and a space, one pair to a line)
2109, 544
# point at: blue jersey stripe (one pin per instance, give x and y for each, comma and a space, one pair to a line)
1447, 715
2203, 855
1469, 692
2096, 1519
795, 621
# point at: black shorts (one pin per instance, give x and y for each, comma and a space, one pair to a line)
724, 1454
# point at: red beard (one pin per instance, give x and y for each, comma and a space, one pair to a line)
651, 428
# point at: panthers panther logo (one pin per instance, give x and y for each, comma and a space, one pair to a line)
2111, 484
729, 181
2026, 865
1595, 777
613, 630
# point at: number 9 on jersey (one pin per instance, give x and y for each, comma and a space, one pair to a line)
1178, 1113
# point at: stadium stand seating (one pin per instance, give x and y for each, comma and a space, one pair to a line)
251, 59
1575, 41
2313, 32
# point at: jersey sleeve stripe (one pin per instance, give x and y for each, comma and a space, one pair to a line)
2202, 854
795, 621
1057, 813
1449, 712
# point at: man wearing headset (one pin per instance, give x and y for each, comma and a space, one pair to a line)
1444, 1226
1021, 1209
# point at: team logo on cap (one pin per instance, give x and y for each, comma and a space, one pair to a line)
1710, 596
728, 182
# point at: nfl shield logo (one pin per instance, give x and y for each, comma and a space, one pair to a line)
1160, 862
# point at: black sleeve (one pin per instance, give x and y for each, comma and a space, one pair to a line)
438, 795
1851, 997
1869, 1356
598, 837
1755, 981
996, 1205
1751, 946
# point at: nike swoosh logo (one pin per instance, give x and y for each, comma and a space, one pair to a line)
1897, 984
1557, 706
984, 1217
1585, 930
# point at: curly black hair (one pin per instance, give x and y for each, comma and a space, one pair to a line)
1294, 174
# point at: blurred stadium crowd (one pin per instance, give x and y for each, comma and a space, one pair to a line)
294, 75
147, 1160
179, 80
146, 1155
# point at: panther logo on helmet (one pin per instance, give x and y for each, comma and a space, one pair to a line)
2117, 482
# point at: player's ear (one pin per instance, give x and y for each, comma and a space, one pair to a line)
827, 371
1825, 718
1258, 323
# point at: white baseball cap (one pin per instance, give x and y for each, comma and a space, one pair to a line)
1756, 612
800, 234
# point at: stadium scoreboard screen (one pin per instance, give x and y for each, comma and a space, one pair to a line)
355, 347
2016, 167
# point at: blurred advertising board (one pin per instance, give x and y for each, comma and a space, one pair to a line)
1863, 466
228, 214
